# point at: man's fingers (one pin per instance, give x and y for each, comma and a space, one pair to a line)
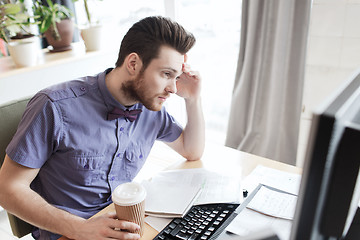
125, 225
111, 215
187, 70
121, 224
125, 230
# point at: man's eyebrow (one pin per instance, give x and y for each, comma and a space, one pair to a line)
170, 69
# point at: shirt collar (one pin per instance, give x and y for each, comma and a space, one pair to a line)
109, 100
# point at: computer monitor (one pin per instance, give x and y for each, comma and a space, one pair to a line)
330, 187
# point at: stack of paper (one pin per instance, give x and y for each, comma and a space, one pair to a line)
167, 197
172, 193
167, 200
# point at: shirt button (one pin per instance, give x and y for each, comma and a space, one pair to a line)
141, 156
112, 178
121, 129
118, 155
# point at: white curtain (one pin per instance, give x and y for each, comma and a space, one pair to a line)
267, 95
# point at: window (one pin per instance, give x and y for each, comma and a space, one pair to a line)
216, 26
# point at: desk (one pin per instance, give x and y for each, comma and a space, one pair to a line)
216, 158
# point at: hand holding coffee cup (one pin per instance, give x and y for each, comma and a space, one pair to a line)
129, 201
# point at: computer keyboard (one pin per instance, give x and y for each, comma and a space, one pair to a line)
203, 222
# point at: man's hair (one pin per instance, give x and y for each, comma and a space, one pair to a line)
147, 36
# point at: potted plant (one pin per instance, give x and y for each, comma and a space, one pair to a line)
14, 22
91, 33
55, 23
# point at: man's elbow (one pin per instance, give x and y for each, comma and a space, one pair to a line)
194, 156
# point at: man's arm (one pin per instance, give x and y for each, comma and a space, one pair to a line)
191, 142
18, 198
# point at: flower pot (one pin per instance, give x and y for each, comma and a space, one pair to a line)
24, 52
66, 32
92, 37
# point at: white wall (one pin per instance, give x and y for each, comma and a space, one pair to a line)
333, 55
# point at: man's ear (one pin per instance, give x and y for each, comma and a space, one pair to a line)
133, 63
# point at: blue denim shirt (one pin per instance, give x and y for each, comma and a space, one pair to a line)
82, 156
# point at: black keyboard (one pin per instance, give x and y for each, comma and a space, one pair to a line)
205, 221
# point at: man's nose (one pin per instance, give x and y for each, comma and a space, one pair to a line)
171, 88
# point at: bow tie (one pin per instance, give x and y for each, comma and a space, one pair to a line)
130, 115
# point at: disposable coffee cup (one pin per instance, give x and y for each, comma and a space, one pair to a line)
129, 201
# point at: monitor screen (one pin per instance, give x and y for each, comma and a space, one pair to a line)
330, 186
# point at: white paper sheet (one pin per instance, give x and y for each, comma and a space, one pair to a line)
288, 182
274, 203
157, 223
249, 221
216, 188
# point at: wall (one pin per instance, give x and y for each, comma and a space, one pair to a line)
333, 55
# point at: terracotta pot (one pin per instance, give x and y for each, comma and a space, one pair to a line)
66, 32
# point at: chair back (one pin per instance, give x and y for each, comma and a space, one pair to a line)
10, 116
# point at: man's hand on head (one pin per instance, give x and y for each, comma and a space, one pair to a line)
189, 83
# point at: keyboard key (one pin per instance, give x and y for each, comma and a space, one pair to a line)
172, 225
181, 235
161, 237
194, 236
176, 230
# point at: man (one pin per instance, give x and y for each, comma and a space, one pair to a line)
78, 140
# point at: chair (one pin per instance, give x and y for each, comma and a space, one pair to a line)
10, 115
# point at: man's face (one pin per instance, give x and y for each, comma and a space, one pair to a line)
153, 85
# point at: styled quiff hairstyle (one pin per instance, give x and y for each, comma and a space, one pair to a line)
147, 36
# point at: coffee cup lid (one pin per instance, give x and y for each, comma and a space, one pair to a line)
127, 194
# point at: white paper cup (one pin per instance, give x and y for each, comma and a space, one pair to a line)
129, 201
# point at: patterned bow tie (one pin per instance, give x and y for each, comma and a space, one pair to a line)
130, 115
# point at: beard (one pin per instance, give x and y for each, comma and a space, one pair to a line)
136, 90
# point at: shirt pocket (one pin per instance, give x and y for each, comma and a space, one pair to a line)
135, 156
87, 168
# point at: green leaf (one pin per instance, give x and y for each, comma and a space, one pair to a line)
12, 8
